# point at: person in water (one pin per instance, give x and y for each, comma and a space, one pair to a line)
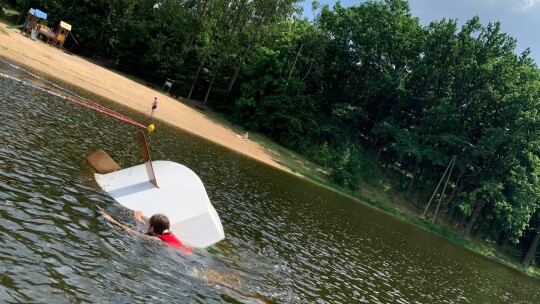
154, 106
158, 227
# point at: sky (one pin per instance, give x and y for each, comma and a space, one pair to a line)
519, 18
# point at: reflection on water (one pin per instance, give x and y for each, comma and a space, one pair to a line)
288, 241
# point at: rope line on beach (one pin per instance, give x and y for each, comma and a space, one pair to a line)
77, 99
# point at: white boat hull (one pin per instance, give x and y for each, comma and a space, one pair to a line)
181, 196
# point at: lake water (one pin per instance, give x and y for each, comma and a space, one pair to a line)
287, 240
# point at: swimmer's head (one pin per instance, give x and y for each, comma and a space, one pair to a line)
158, 224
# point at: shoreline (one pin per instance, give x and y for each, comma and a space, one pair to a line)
82, 73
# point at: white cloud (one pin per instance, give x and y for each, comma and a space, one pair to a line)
527, 4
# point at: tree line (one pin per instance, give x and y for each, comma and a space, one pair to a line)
450, 112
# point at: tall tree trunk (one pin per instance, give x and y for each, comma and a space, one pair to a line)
408, 167
21, 15
195, 80
452, 210
209, 89
414, 176
505, 239
237, 19
489, 229
292, 68
456, 186
307, 73
532, 249
453, 162
457, 190
238, 68
379, 112
461, 223
415, 170
438, 185
209, 50
309, 69
108, 23
379, 152
198, 29
250, 44
473, 218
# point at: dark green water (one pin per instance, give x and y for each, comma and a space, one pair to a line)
287, 240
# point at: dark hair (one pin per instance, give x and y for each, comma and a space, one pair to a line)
159, 223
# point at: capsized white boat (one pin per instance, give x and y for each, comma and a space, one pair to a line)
162, 187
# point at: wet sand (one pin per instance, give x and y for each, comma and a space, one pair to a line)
47, 60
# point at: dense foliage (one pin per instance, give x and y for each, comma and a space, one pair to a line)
359, 89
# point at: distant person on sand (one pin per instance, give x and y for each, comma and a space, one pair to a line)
244, 136
158, 228
154, 106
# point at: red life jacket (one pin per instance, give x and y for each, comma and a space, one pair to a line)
173, 241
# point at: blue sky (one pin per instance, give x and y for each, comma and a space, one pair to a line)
519, 18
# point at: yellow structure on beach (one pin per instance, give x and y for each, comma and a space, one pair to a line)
62, 31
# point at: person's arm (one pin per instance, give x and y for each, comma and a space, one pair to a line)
126, 228
115, 222
139, 217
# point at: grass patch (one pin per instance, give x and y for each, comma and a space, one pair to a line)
295, 162
533, 271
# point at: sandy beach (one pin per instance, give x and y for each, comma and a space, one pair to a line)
47, 60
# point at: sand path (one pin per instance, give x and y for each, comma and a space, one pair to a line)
79, 72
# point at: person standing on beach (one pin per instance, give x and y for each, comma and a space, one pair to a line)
154, 106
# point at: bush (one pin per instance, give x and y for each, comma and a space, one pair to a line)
345, 170
322, 154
